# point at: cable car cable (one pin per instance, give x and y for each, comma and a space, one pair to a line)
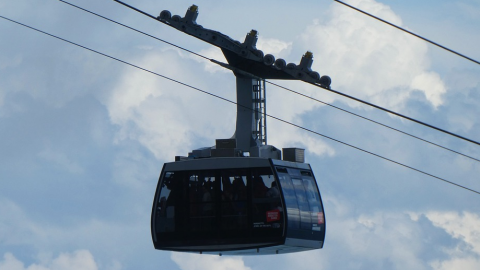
397, 114
285, 88
233, 102
409, 32
136, 30
376, 122
348, 96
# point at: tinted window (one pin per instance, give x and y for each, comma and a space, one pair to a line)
290, 198
305, 216
302, 199
233, 203
201, 195
314, 202
170, 204
267, 210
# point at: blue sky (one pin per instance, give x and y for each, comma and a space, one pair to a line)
83, 137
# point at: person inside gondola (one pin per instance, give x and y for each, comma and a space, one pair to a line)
227, 205
273, 193
240, 201
260, 206
207, 199
259, 188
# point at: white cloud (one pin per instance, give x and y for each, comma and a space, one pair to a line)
393, 239
361, 55
359, 239
78, 260
283, 136
371, 60
274, 46
381, 237
350, 47
133, 170
149, 109
291, 107
215, 54
464, 226
207, 262
15, 227
168, 118
19, 229
431, 84
457, 263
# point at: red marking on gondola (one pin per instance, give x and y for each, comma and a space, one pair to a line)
321, 219
273, 215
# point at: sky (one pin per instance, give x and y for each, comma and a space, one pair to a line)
83, 137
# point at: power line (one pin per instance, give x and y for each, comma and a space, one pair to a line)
233, 102
226, 66
406, 31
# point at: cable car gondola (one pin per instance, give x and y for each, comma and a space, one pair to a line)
240, 196
237, 205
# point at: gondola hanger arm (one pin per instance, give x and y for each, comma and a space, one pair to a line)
242, 56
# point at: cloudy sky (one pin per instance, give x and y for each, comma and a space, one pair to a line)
83, 137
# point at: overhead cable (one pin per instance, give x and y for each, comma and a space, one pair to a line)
228, 67
409, 32
376, 122
395, 113
348, 96
233, 102
136, 30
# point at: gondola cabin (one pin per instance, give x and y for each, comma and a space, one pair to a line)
240, 196
239, 205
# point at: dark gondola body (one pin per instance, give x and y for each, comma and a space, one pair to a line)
239, 196
237, 205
